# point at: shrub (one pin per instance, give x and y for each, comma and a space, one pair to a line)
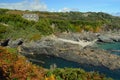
16, 67
76, 74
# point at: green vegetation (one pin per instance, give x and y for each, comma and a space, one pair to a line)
13, 66
16, 67
75, 74
43, 26
2, 30
13, 25
3, 11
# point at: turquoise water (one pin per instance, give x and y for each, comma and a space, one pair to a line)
46, 61
61, 63
110, 47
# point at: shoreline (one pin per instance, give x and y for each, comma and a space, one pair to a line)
73, 51
74, 47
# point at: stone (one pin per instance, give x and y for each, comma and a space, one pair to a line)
72, 52
15, 43
5, 42
105, 39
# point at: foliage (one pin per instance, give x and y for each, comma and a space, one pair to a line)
16, 67
15, 20
63, 25
35, 37
44, 27
13, 25
75, 74
12, 50
51, 77
3, 11
2, 30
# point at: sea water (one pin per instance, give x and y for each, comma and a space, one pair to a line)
46, 61
113, 48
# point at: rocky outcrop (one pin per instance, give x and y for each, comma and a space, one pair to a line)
15, 43
72, 52
5, 42
105, 37
109, 38
69, 47
11, 43
88, 36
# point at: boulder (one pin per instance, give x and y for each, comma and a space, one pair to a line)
105, 39
5, 42
15, 43
116, 38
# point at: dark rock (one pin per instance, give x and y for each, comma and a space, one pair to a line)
5, 42
72, 52
15, 43
20, 43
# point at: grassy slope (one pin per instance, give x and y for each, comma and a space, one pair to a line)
12, 25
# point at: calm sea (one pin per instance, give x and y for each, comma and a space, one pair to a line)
113, 48
46, 61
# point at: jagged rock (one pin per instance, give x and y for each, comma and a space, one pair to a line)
115, 38
5, 42
110, 36
104, 38
72, 52
15, 43
88, 36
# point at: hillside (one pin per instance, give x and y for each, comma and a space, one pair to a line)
16, 28
13, 25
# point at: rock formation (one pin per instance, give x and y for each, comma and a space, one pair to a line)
72, 52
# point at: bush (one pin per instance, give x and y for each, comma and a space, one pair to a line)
43, 26
76, 74
3, 30
16, 67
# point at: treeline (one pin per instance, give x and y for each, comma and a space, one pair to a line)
13, 25
94, 19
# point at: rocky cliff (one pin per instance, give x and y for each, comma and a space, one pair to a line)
73, 52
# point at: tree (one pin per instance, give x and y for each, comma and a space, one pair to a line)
44, 27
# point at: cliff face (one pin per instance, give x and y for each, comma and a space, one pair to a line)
73, 47
73, 52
